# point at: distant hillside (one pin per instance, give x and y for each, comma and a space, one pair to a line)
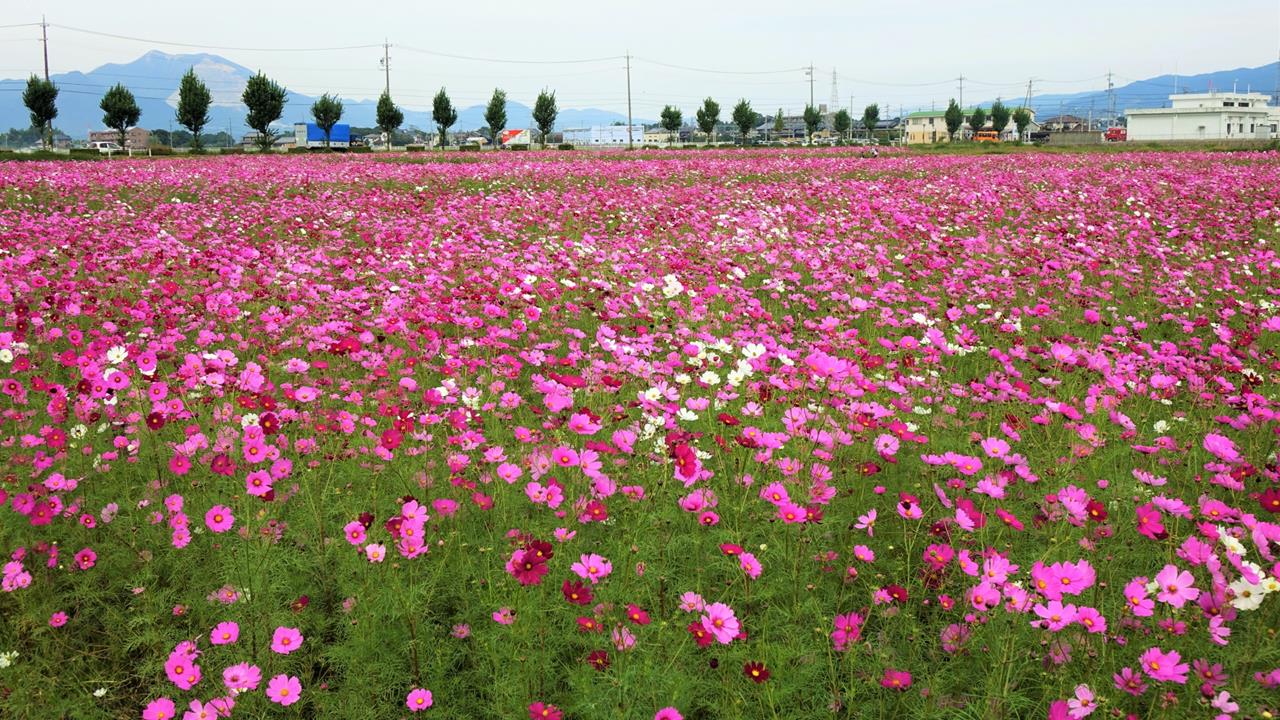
1154, 92
154, 78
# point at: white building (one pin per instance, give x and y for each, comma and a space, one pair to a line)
1207, 116
603, 135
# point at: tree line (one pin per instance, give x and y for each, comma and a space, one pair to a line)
265, 100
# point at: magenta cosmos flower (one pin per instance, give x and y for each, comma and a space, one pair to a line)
284, 689
418, 700
160, 709
1164, 666
219, 518
224, 633
668, 713
286, 640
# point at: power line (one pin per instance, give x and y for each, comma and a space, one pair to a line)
504, 60
717, 72
210, 47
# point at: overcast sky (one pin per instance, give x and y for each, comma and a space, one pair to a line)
897, 54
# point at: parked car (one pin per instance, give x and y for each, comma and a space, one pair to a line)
106, 147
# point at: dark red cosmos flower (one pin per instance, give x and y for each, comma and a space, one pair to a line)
1096, 510
300, 604
223, 465
588, 624
756, 671
599, 659
541, 549
366, 519
700, 634
868, 468
529, 568
155, 420
269, 423
576, 593
728, 419
897, 593
1270, 499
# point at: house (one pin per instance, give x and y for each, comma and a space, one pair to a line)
1064, 123
930, 126
135, 138
1207, 116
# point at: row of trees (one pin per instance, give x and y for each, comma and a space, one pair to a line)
1000, 115
265, 100
708, 117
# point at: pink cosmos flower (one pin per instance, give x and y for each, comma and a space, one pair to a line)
592, 567
1082, 705
58, 619
719, 620
219, 518
418, 700
375, 552
1129, 681
197, 710
285, 640
504, 616
242, 676
160, 709
284, 689
1164, 666
224, 633
1176, 588
355, 532
668, 713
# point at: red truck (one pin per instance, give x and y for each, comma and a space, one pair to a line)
1116, 134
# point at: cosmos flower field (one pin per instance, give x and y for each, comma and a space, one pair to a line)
687, 435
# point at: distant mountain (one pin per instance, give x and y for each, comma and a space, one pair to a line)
154, 79
1154, 92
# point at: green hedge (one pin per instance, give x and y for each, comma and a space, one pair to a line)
415, 148
86, 154
518, 146
469, 147
161, 150
565, 146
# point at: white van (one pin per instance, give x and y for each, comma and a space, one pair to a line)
106, 147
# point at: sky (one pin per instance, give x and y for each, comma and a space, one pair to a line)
896, 54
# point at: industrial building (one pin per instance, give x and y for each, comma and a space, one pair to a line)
1207, 116
605, 135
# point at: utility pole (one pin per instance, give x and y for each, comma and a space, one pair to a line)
1111, 99
835, 94
809, 70
1027, 102
962, 91
386, 64
630, 140
44, 40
